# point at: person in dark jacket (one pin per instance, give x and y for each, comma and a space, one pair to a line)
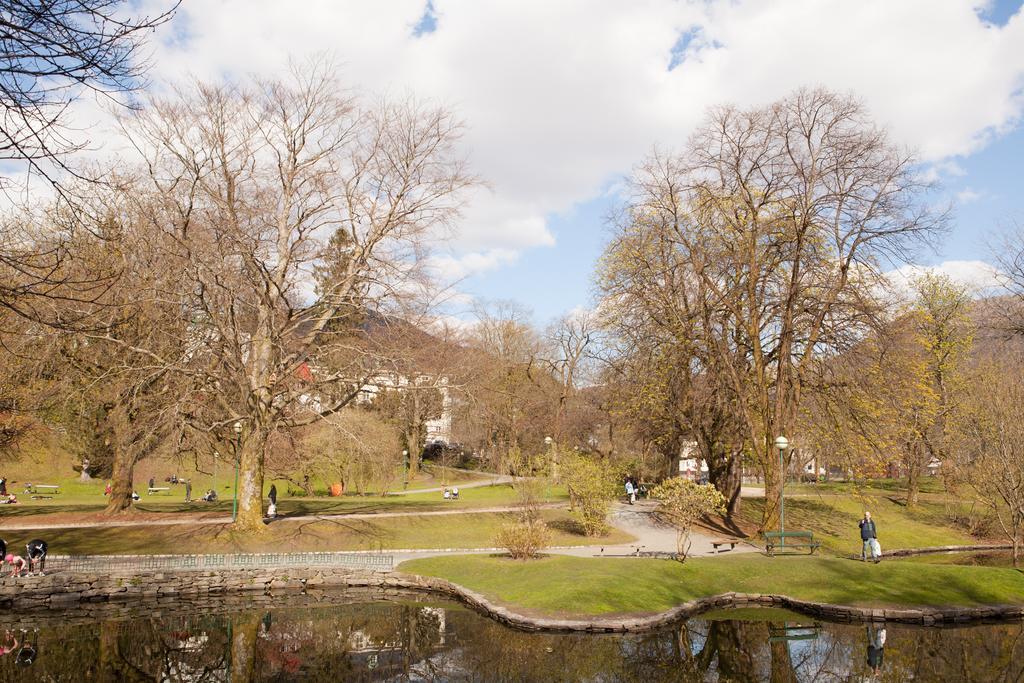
273, 494
869, 538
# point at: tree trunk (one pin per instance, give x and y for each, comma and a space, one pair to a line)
913, 484
772, 487
121, 485
250, 483
727, 476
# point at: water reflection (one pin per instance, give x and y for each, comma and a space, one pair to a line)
409, 638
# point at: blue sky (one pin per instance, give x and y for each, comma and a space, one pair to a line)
561, 98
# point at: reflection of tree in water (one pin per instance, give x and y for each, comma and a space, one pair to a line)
429, 641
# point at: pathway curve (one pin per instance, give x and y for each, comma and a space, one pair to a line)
637, 520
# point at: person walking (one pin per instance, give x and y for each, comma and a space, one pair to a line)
869, 539
630, 491
188, 490
273, 495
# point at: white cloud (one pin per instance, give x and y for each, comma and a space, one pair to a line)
562, 98
978, 276
968, 195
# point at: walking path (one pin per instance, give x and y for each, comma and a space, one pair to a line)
493, 480
282, 518
637, 520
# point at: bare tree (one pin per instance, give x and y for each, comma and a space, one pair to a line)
251, 189
50, 52
766, 236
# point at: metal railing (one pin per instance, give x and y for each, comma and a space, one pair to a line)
146, 563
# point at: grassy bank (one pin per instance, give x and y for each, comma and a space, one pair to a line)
65, 509
560, 585
833, 515
439, 531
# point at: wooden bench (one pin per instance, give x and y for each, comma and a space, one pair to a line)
33, 488
777, 539
155, 489
731, 542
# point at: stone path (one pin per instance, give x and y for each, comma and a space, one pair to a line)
637, 520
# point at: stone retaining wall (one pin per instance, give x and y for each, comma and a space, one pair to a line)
61, 591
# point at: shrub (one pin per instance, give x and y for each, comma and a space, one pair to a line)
524, 539
593, 486
681, 503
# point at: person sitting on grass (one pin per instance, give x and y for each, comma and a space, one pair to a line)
17, 563
36, 549
447, 494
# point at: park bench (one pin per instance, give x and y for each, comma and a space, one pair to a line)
42, 488
780, 539
731, 542
157, 489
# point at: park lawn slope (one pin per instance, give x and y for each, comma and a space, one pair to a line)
833, 519
470, 530
58, 510
576, 586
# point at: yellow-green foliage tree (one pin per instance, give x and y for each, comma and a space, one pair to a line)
593, 485
988, 439
681, 503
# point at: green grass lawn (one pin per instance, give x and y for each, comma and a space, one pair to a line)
89, 504
454, 531
833, 519
561, 585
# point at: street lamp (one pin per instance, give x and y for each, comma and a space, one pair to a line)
238, 457
782, 443
216, 457
405, 465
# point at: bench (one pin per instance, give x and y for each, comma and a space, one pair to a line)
778, 539
33, 488
731, 542
156, 489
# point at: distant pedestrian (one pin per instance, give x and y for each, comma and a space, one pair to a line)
3, 486
273, 495
630, 491
869, 539
188, 490
108, 489
152, 484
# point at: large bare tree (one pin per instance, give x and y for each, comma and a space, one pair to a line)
287, 211
765, 235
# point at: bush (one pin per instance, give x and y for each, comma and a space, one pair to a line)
525, 539
681, 503
593, 485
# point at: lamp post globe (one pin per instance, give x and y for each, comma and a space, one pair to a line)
781, 442
548, 440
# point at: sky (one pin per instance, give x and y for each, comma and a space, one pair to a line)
561, 98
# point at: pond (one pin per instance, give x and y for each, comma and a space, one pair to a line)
336, 637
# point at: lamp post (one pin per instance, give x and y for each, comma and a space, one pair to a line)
216, 457
405, 466
554, 457
782, 443
238, 457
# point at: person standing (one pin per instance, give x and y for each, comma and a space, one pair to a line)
188, 490
273, 495
869, 539
3, 486
630, 491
